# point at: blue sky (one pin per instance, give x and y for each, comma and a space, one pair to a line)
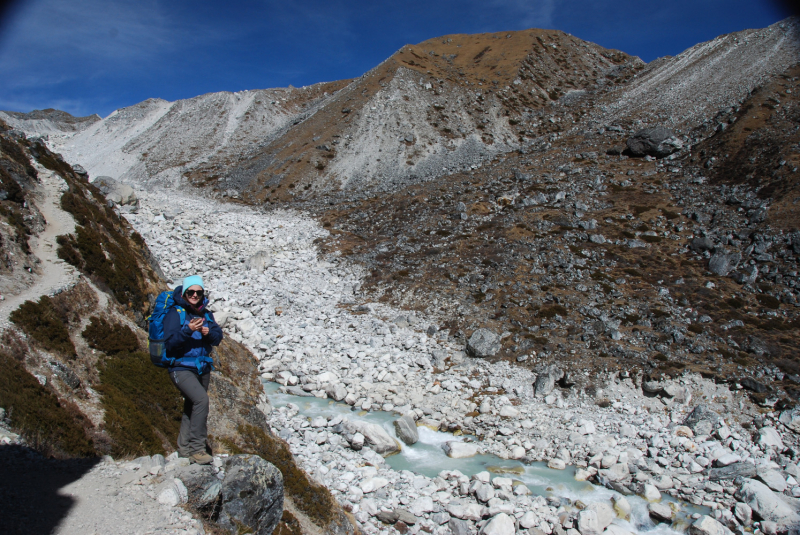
94, 56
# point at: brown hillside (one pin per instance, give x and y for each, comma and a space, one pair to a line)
513, 73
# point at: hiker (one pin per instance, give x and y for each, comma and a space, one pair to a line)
190, 345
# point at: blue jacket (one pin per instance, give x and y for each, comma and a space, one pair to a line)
190, 348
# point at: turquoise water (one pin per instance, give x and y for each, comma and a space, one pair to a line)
427, 458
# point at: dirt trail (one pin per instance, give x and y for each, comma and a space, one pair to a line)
55, 273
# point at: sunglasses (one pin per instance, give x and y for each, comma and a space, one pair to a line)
192, 293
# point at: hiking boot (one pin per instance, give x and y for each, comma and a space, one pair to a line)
200, 457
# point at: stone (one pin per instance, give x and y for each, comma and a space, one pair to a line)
743, 513
259, 261
773, 479
546, 381
483, 343
660, 512
459, 527
500, 524
604, 511
202, 484
597, 238
556, 464
373, 483
460, 450
421, 505
252, 495
766, 503
528, 520
116, 191
769, 436
728, 459
508, 411
614, 529
336, 391
723, 263
484, 492
406, 429
702, 420
517, 452
622, 507
465, 511
172, 492
374, 435
407, 517
791, 419
588, 523
705, 525
699, 245
618, 472
732, 471
657, 141
650, 493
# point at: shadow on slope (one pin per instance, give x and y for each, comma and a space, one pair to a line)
29, 489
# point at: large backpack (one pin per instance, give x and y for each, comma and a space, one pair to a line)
155, 340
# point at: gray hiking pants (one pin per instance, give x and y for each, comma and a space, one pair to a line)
194, 387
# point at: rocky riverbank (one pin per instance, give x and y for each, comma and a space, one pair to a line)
317, 336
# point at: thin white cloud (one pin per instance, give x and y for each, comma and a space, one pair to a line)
523, 13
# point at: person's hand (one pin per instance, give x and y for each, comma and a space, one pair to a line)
196, 324
204, 330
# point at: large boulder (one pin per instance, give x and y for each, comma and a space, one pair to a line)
252, 495
702, 420
459, 450
374, 435
483, 343
546, 381
657, 141
723, 263
406, 429
705, 525
767, 504
791, 419
202, 485
259, 261
115, 191
500, 524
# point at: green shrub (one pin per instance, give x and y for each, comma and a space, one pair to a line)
142, 407
16, 219
551, 311
40, 321
52, 427
768, 301
110, 338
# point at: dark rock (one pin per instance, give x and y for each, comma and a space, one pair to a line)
699, 245
658, 142
747, 275
702, 420
546, 381
202, 484
387, 517
722, 263
754, 386
483, 343
66, 374
732, 471
80, 171
252, 495
459, 527
757, 346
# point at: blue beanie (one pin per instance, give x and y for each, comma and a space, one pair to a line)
193, 280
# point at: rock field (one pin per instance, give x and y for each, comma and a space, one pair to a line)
305, 319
